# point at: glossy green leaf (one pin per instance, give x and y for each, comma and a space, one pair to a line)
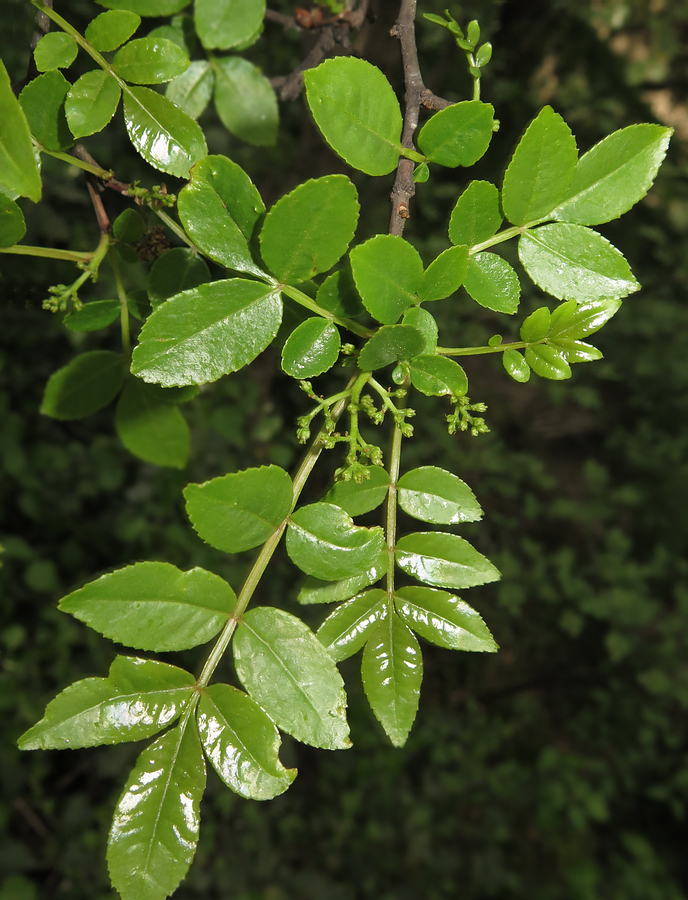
12, 224
91, 103
357, 498
577, 351
389, 344
219, 209
223, 24
43, 102
150, 429
242, 743
476, 215
286, 669
181, 31
445, 560
165, 136
239, 511
94, 315
435, 495
316, 591
614, 175
157, 819
111, 29
493, 283
537, 325
392, 672
443, 619
154, 606
138, 699
309, 230
458, 135
516, 366
153, 8
207, 332
18, 166
444, 275
150, 61
357, 111
311, 349
245, 101
438, 376
337, 294
347, 629
387, 271
573, 320
541, 169
323, 541
574, 263
192, 90
86, 384
548, 361
55, 50
129, 226
424, 322
177, 270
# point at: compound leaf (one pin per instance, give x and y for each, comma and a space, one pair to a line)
150, 428
443, 619
516, 366
444, 275
311, 349
111, 29
347, 629
245, 101
43, 102
438, 376
572, 321
192, 90
150, 61
18, 166
86, 384
493, 283
435, 495
476, 215
55, 50
389, 344
223, 24
388, 272
357, 498
548, 361
458, 135
445, 560
91, 103
315, 590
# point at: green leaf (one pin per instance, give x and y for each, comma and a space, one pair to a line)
574, 263
192, 90
323, 541
458, 135
219, 209
493, 283
445, 560
239, 511
476, 215
245, 101
392, 671
43, 102
309, 230
537, 325
577, 351
238, 318
154, 606
166, 137
153, 430
91, 103
337, 294
18, 166
389, 344
347, 629
86, 384
614, 175
424, 322
181, 31
289, 673
129, 226
138, 699
357, 498
357, 111
150, 61
55, 50
548, 361
111, 29
316, 591
421, 173
574, 320
242, 743
94, 315
311, 349
516, 366
388, 272
152, 8
177, 270
12, 224
443, 619
444, 275
438, 376
541, 169
223, 24
435, 495
157, 819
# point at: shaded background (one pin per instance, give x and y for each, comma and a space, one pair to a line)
555, 770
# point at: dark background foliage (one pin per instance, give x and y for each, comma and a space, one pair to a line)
555, 770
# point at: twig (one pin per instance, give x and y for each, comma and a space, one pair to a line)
289, 23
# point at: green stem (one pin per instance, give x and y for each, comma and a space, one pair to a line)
391, 513
50, 253
266, 552
177, 230
384, 395
304, 300
79, 163
480, 351
505, 235
124, 308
